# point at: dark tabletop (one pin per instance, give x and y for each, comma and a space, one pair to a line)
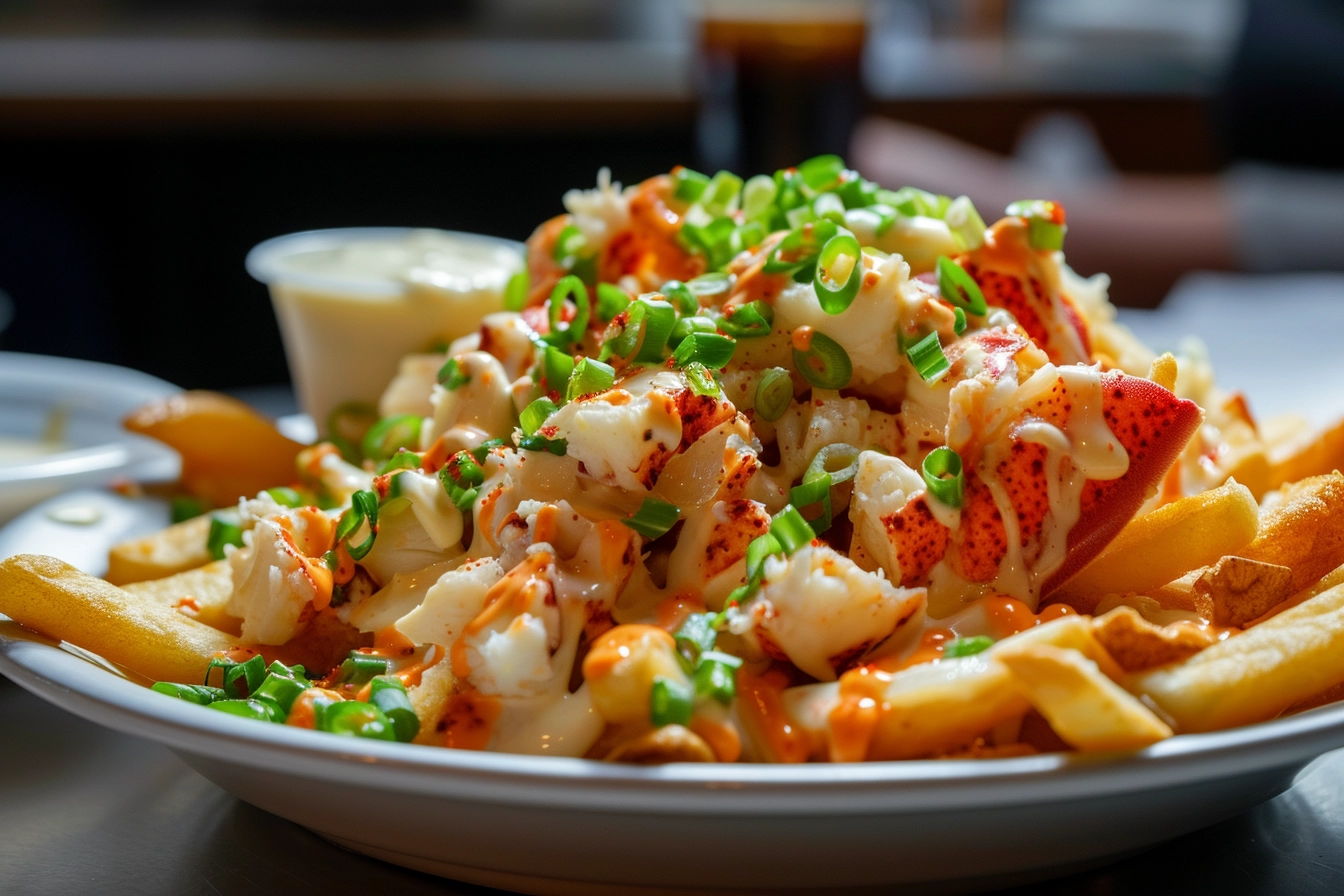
86, 810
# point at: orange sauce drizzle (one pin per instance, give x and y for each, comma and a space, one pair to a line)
671, 612
513, 592
470, 720
434, 459
802, 338
303, 714
615, 645
761, 704
615, 539
1009, 615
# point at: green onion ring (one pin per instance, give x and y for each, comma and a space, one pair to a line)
959, 288
834, 300
774, 393
944, 477
825, 364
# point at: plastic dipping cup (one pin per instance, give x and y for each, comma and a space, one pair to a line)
352, 302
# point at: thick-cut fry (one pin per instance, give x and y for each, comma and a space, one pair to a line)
175, 549
1086, 709
203, 594
1257, 674
1305, 531
1318, 455
153, 640
1236, 591
1161, 546
1137, 644
228, 450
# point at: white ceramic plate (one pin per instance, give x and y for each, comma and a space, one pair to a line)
92, 399
543, 825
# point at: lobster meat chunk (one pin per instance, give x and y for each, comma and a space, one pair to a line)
1053, 466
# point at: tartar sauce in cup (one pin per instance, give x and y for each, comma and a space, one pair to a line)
352, 302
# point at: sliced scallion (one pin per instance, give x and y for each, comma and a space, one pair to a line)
611, 301
943, 476
746, 321
388, 694
701, 380
535, 414
354, 718
688, 185
402, 460
515, 293
363, 510
774, 392
556, 368
821, 172
558, 447
960, 288
451, 375
791, 530
389, 434
838, 460
222, 532
825, 364
710, 349
199, 694
1045, 222
590, 376
680, 296
841, 254
715, 283
928, 359
688, 325
967, 646
654, 518
670, 702
573, 288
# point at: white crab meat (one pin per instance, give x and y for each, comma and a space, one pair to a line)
409, 391
450, 603
507, 337
272, 584
883, 486
821, 612
482, 405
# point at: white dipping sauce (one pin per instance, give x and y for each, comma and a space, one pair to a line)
352, 302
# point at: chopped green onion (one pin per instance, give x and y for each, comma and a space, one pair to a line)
856, 192
720, 197
388, 694
814, 490
791, 530
465, 469
944, 477
746, 237
261, 710
715, 283
463, 497
797, 252
556, 368
354, 718
825, 364
753, 319
789, 185
558, 447
359, 668
390, 433
709, 349
185, 508
912, 202
656, 320
688, 185
238, 680
696, 636
535, 414
1045, 222
713, 240
199, 694
285, 496
461, 477
835, 299
715, 676
670, 702
758, 549
968, 228
838, 460
960, 288
482, 451
829, 206
283, 685
958, 320
688, 325
451, 375
515, 292
402, 460
611, 301
701, 380
821, 172
774, 392
681, 297
568, 245
563, 333
363, 510
967, 646
654, 518
590, 376
222, 532
928, 359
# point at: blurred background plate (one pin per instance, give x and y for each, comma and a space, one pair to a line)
60, 428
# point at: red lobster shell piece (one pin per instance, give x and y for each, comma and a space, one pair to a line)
1015, 277
1149, 422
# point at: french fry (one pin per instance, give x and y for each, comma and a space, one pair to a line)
202, 594
176, 549
134, 631
1317, 455
1137, 644
1304, 531
1255, 675
1084, 707
1235, 591
1163, 545
429, 699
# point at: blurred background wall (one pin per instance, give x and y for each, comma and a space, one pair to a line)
148, 144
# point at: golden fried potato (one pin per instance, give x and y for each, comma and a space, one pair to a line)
176, 549
1316, 455
1236, 591
1304, 531
134, 631
1255, 675
1137, 644
1158, 547
202, 594
429, 699
1083, 706
228, 450
670, 743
